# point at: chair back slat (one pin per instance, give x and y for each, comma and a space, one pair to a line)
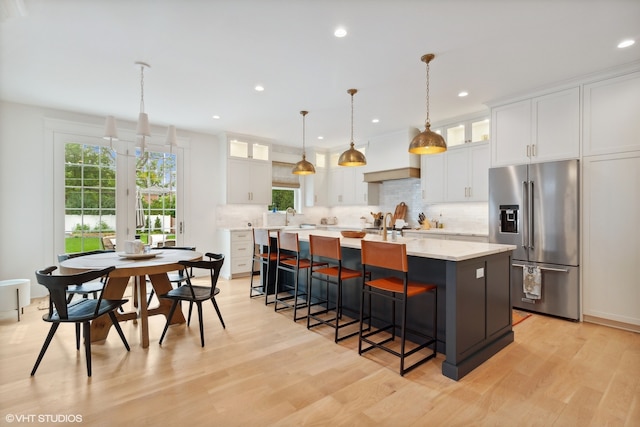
57, 286
64, 257
288, 242
261, 237
392, 256
325, 247
214, 265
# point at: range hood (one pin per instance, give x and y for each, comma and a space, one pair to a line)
391, 174
388, 157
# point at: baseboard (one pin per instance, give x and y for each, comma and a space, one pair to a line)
612, 323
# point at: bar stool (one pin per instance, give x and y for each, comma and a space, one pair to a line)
398, 289
328, 249
264, 258
289, 261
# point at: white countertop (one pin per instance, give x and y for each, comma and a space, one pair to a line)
447, 231
450, 250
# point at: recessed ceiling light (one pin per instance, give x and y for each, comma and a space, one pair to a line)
375, 121
215, 116
259, 88
321, 137
340, 32
626, 43
463, 94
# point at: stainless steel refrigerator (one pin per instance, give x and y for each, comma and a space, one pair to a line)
535, 207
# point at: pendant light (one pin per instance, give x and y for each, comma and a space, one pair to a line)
303, 167
110, 131
352, 157
143, 130
427, 142
172, 139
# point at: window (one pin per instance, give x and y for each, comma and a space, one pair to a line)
284, 198
103, 195
90, 196
156, 197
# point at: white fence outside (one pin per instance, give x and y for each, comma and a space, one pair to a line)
92, 221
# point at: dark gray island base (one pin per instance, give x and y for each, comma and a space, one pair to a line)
474, 298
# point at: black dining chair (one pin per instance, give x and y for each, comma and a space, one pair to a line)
178, 277
195, 293
85, 289
79, 312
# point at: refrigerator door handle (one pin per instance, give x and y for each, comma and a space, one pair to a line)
525, 219
530, 231
560, 270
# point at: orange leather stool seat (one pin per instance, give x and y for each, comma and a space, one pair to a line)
394, 286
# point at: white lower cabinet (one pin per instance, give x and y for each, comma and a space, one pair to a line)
237, 246
611, 238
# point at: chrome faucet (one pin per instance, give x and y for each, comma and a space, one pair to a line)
286, 215
384, 225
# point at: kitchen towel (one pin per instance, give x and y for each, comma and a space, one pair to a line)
532, 282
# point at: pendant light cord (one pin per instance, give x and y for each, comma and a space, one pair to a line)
303, 132
351, 119
142, 88
428, 122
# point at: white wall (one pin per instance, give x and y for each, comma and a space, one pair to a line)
26, 196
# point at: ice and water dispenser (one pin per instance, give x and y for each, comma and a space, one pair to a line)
509, 218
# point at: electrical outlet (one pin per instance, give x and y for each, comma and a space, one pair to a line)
479, 273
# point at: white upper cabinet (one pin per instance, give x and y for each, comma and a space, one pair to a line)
611, 111
247, 169
432, 177
467, 173
347, 186
461, 174
249, 182
538, 129
316, 185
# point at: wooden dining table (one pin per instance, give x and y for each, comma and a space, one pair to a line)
154, 265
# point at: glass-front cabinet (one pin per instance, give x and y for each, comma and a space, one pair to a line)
465, 131
245, 149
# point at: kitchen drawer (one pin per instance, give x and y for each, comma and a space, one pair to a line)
241, 265
241, 236
239, 249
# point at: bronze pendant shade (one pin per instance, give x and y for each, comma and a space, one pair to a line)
303, 167
352, 157
427, 142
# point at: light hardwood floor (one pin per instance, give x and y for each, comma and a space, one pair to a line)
265, 370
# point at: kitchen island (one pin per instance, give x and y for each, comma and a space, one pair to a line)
474, 294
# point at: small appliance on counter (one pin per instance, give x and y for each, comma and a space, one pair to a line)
329, 220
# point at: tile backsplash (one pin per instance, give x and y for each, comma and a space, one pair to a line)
465, 217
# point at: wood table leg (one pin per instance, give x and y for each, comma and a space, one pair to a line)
113, 290
162, 285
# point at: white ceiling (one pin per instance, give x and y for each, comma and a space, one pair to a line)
206, 57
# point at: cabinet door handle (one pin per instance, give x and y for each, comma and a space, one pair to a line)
469, 192
528, 150
533, 151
